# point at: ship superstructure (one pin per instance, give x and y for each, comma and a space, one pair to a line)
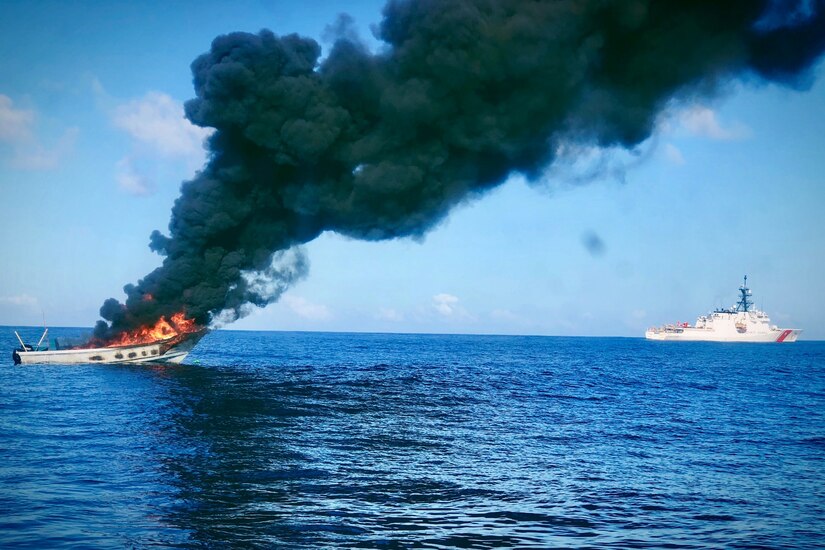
742, 322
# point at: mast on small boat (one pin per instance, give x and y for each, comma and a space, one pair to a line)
45, 332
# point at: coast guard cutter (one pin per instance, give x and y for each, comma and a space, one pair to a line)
742, 322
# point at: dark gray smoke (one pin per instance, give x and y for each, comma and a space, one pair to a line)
465, 92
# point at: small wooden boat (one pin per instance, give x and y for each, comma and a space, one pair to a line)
169, 350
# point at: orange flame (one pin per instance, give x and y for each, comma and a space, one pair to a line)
161, 330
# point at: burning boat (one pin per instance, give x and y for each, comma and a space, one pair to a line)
165, 342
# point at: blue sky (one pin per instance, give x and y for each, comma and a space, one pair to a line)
93, 147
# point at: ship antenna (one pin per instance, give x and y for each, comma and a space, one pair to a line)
744, 303
45, 329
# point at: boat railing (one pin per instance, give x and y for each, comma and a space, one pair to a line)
39, 346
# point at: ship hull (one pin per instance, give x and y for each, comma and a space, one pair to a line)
173, 350
690, 334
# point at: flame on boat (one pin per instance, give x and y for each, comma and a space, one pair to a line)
163, 329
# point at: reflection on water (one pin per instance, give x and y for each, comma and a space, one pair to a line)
257, 461
233, 465
323, 440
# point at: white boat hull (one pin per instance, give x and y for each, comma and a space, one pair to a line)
173, 350
692, 334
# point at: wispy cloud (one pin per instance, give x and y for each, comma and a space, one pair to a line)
24, 148
445, 304
38, 157
508, 321
306, 309
579, 164
160, 133
673, 154
157, 121
23, 300
15, 124
702, 121
130, 180
389, 314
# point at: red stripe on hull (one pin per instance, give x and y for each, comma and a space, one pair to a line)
784, 335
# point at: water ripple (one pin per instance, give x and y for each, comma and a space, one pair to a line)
301, 440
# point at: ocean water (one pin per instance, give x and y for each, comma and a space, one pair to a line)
317, 440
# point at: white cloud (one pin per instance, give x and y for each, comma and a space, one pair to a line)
306, 309
702, 121
160, 133
15, 124
19, 300
445, 304
673, 154
130, 181
389, 314
156, 120
26, 151
38, 157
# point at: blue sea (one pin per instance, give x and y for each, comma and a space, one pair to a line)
330, 440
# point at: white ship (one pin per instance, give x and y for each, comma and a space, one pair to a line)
741, 322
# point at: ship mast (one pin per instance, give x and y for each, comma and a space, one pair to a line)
744, 304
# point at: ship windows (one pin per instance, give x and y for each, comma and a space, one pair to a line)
143, 353
132, 354
118, 355
154, 352
96, 358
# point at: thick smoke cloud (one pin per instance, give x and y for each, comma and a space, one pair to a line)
380, 146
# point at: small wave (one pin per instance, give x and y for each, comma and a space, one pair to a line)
533, 517
571, 397
714, 517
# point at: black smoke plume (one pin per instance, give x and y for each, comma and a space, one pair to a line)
464, 93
